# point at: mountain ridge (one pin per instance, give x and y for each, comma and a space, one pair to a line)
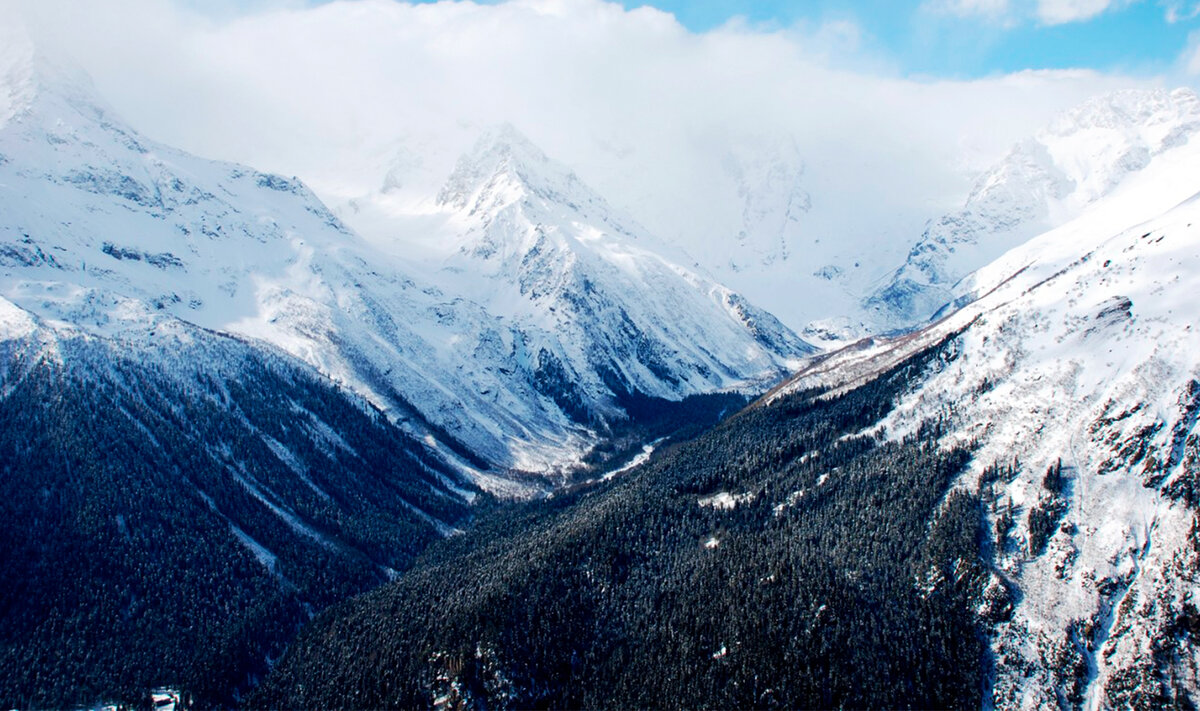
1044, 181
1075, 378
93, 204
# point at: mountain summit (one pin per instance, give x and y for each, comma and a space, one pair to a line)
589, 287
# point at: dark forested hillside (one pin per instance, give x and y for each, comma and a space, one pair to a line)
171, 517
786, 558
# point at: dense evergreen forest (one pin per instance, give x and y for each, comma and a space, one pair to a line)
790, 557
167, 522
171, 516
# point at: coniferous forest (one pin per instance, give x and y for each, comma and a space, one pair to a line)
167, 522
166, 526
790, 557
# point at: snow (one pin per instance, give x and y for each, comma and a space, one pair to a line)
15, 322
726, 501
758, 217
782, 228
293, 464
641, 458
288, 517
473, 314
260, 552
107, 231
444, 529
791, 500
1082, 157
16, 70
1079, 346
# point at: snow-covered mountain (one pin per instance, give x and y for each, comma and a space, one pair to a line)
1078, 350
602, 309
750, 213
512, 321
1043, 182
789, 236
517, 370
590, 289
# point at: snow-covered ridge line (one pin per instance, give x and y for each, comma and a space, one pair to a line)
1061, 173
514, 354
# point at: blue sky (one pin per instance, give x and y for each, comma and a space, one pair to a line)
968, 38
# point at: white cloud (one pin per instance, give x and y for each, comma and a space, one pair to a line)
1181, 10
649, 113
1050, 12
1189, 60
970, 8
1058, 12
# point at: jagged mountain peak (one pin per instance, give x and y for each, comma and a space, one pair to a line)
1086, 151
584, 281
505, 168
501, 156
506, 142
511, 203
17, 85
1090, 149
29, 75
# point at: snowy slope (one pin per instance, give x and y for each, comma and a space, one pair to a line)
99, 221
605, 309
746, 217
551, 255
1043, 182
1081, 347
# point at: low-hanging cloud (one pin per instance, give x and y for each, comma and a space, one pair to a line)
349, 95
